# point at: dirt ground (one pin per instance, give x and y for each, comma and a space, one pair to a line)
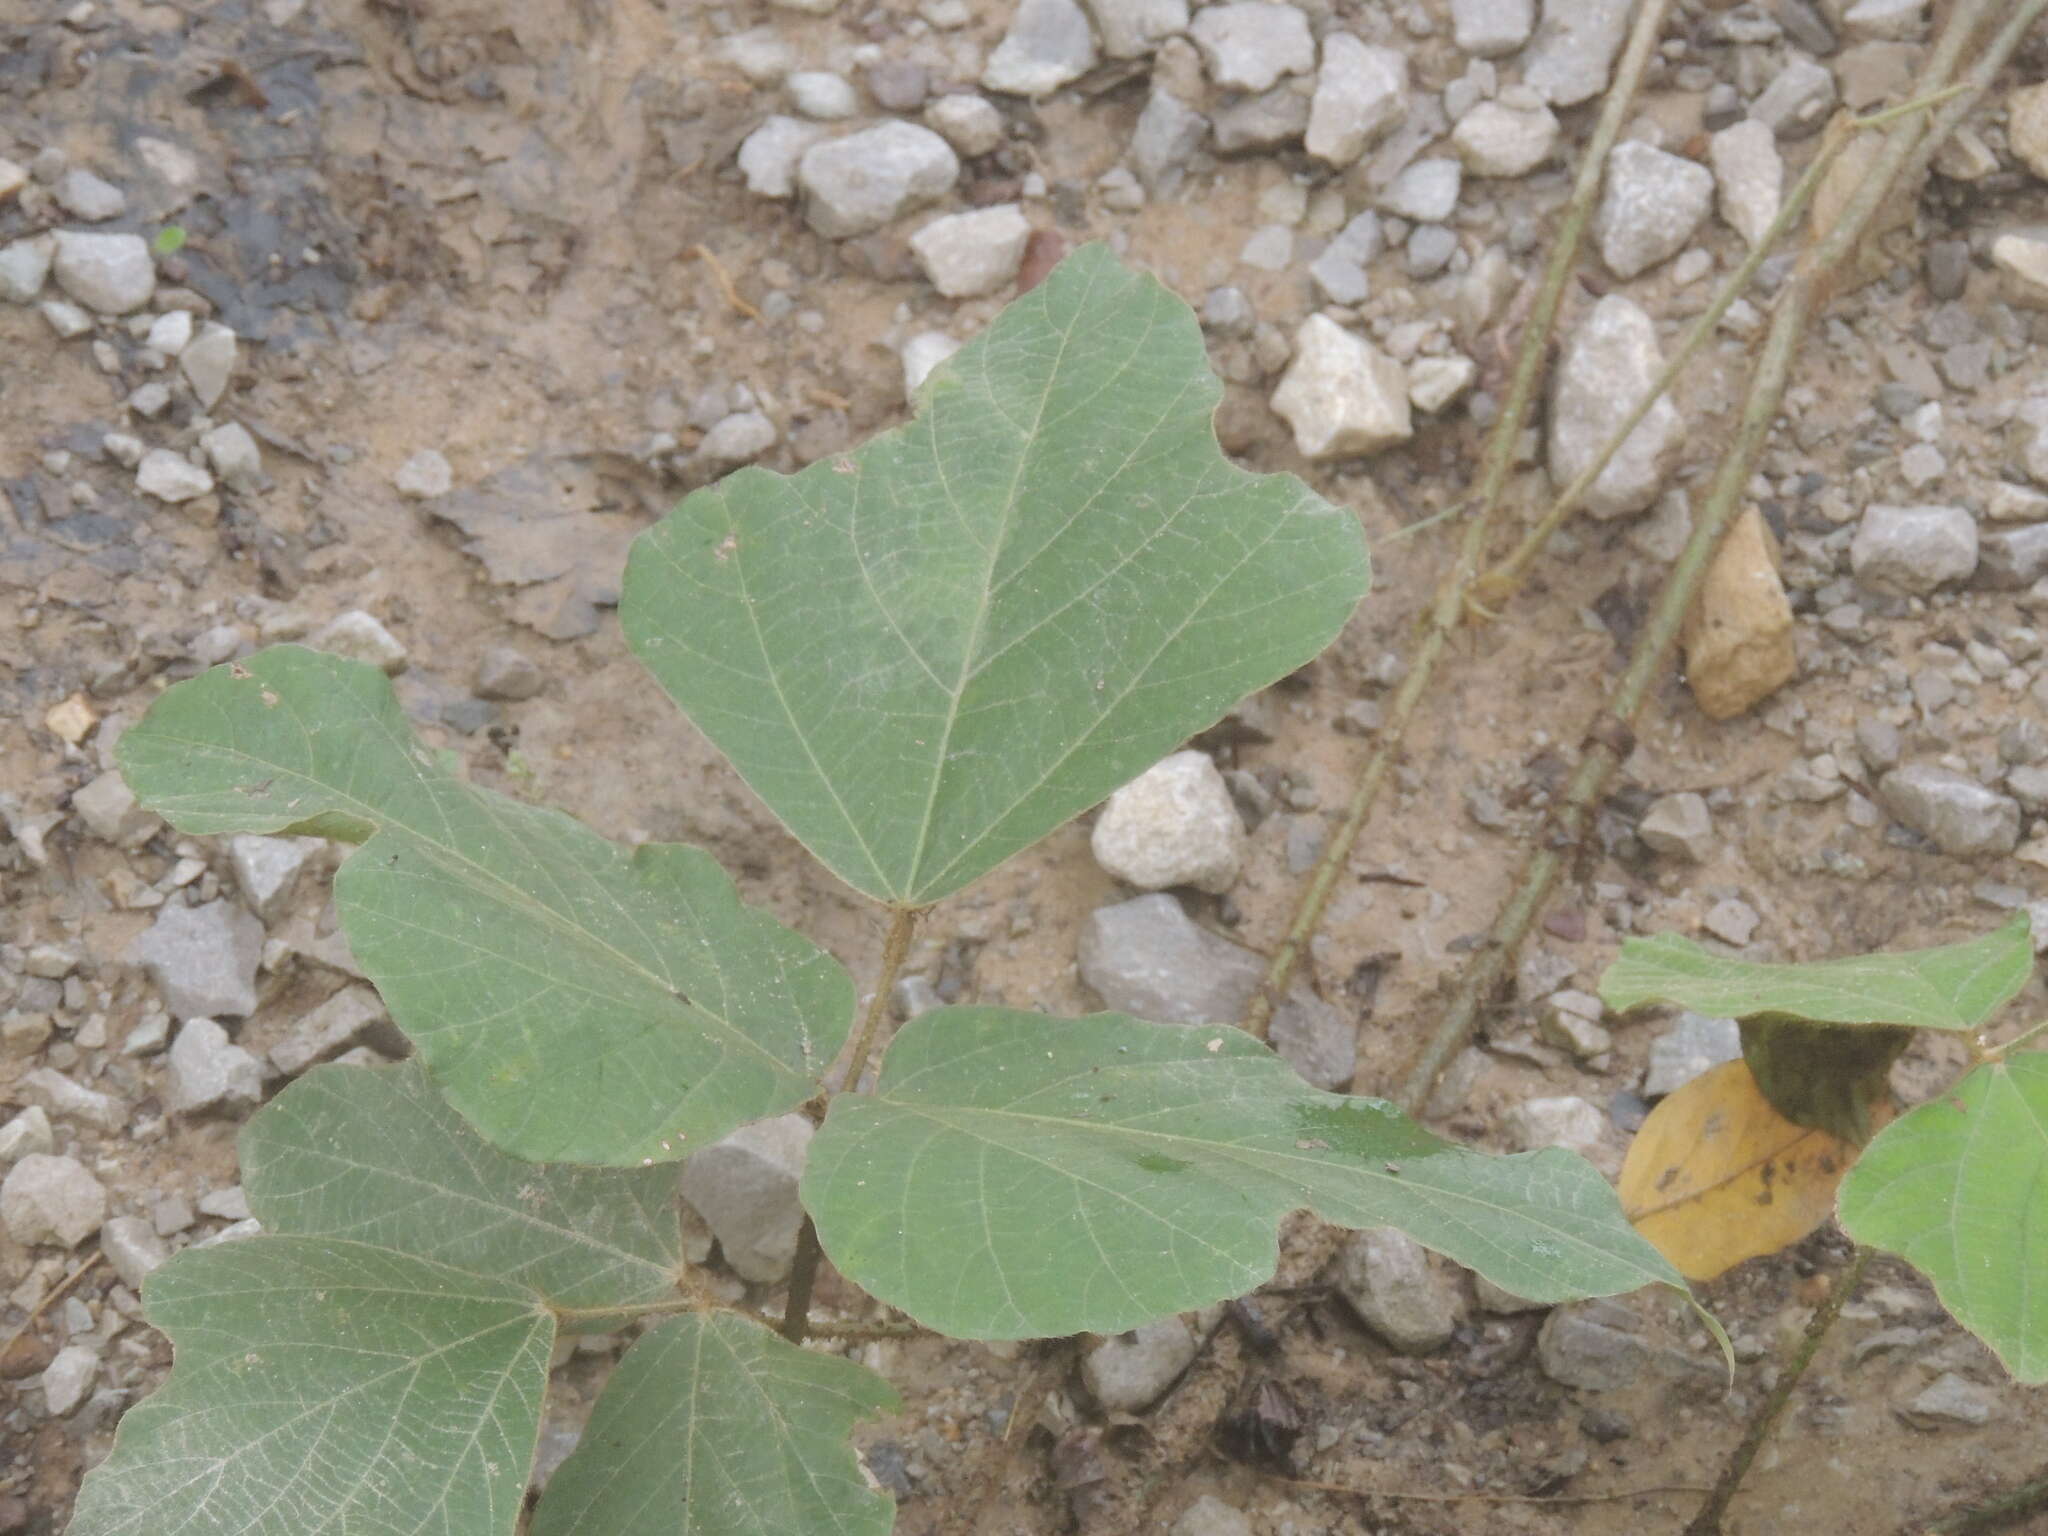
501, 229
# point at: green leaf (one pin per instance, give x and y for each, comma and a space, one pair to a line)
325, 1385
928, 654
577, 1003
1959, 1188
1017, 1176
713, 1426
376, 1156
1952, 986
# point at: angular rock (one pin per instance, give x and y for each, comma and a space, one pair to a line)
1168, 133
1487, 29
969, 254
1391, 1283
203, 959
1210, 1516
1130, 29
133, 1249
505, 673
1910, 551
47, 1199
206, 1070
1425, 192
23, 266
424, 475
231, 450
352, 1017
1749, 177
821, 95
2026, 126
67, 1100
1434, 382
1608, 363
1250, 44
27, 1133
91, 198
1680, 825
1566, 1121
358, 635
859, 183
113, 274
1268, 120
738, 438
921, 354
1583, 1346
745, 1189
169, 476
1506, 138
1950, 1401
1575, 48
1049, 44
1342, 395
267, 870
1129, 1372
1651, 205
68, 1377
108, 808
1570, 1020
768, 156
1738, 636
1174, 824
1798, 99
970, 123
1315, 1038
2012, 559
1361, 93
1694, 1043
208, 362
1954, 812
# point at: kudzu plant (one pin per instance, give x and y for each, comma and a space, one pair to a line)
923, 656
1754, 1151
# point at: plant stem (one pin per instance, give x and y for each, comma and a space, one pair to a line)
2024, 1500
2000, 1052
803, 1272
1708, 1521
1447, 610
1612, 734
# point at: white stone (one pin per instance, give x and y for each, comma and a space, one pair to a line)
1749, 177
1250, 44
23, 266
1568, 1122
203, 959
170, 332
1650, 207
1129, 1372
231, 450
739, 438
133, 1249
745, 1189
13, 177
170, 476
1269, 248
1798, 99
26, 1134
1426, 191
861, 182
822, 95
768, 156
1396, 1290
67, 319
1910, 551
208, 362
424, 475
113, 274
1608, 364
72, 1101
1210, 1516
1954, 812
1174, 824
762, 54
1497, 139
1361, 93
2026, 127
1679, 825
360, 637
206, 1070
91, 198
68, 1376
1342, 395
2024, 259
109, 810
1434, 382
46, 1199
1885, 21
921, 354
970, 123
968, 254
1049, 44
1489, 28
1575, 49
1130, 29
267, 870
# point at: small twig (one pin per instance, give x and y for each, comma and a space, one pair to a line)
56, 1292
1708, 1521
2027, 1499
1652, 1490
732, 294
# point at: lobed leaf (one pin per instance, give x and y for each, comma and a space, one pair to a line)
1017, 1176
1950, 986
328, 1385
926, 655
1958, 1187
577, 1003
713, 1426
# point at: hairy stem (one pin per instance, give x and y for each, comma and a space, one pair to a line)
1448, 608
2029, 1498
1708, 1521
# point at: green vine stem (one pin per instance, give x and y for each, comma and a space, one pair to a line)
1611, 737
1447, 610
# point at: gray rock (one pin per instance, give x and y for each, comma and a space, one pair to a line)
47, 1199
231, 450
229, 1204
738, 438
91, 198
821, 95
67, 1378
1798, 99
1146, 958
768, 157
970, 123
898, 85
206, 1070
133, 1249
1268, 120
1129, 1372
1910, 551
23, 266
2011, 559
1562, 1121
1173, 825
1426, 192
1165, 140
108, 808
1586, 1346
1130, 29
1950, 1401
1210, 1516
859, 183
1506, 138
1650, 207
745, 1189
73, 1101
1396, 1291
1749, 177
1694, 1043
1342, 395
359, 636
1731, 920
208, 362
1316, 1039
203, 959
169, 476
1608, 363
921, 354
1489, 28
70, 322
1575, 48
1361, 93
424, 475
352, 1017
1049, 44
969, 254
1679, 825
1250, 44
27, 1133
267, 870
113, 274
1957, 814
1570, 1020
505, 673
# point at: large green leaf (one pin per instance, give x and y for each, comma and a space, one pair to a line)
328, 1386
1959, 1188
929, 653
376, 1156
713, 1426
1015, 1176
577, 1003
1952, 986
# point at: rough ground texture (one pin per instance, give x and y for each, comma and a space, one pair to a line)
457, 276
